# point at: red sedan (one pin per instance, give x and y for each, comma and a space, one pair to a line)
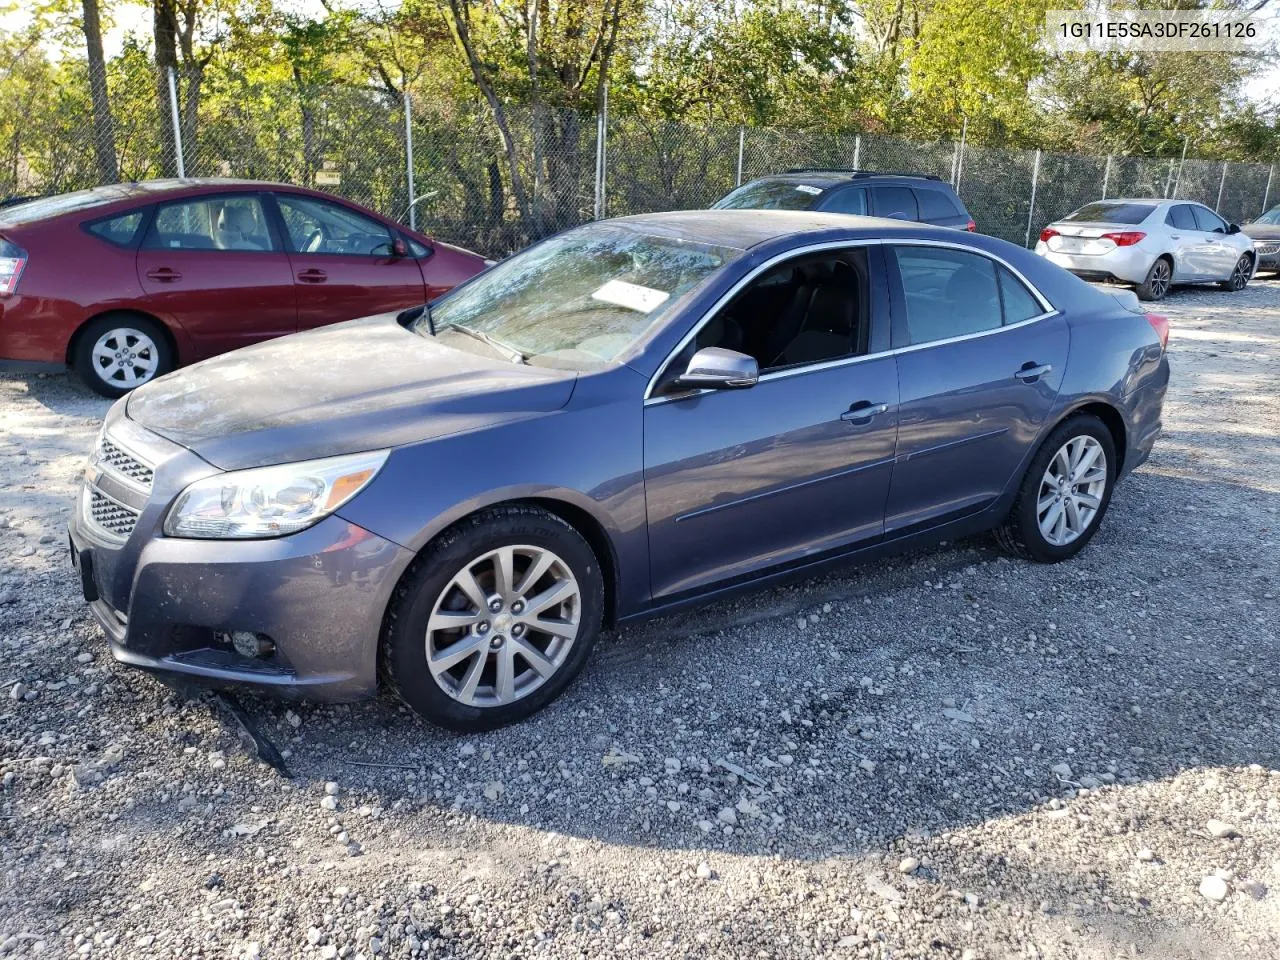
128, 281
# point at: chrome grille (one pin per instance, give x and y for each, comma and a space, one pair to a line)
1267, 249
121, 462
115, 518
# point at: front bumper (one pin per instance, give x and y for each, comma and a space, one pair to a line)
170, 604
1268, 255
1126, 264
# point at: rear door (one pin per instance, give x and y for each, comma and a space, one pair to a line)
980, 360
215, 266
1188, 242
344, 262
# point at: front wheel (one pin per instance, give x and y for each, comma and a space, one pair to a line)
1064, 494
1159, 279
494, 620
1239, 278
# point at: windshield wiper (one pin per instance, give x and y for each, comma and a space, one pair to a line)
508, 351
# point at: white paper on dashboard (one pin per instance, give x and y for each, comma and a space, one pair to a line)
630, 295
805, 188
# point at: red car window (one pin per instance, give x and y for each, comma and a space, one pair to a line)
316, 226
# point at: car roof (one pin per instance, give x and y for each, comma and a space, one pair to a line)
106, 199
830, 177
744, 229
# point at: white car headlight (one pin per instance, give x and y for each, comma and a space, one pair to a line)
270, 501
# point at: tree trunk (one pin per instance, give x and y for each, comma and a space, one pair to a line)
166, 36
104, 138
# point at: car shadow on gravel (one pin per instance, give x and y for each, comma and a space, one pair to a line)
925, 694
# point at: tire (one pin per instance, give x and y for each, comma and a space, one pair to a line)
1159, 280
119, 352
467, 694
1022, 533
1239, 278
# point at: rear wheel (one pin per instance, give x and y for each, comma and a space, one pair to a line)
118, 352
1065, 493
1159, 279
494, 620
1239, 278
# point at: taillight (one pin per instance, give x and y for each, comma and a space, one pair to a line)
971, 226
12, 259
1160, 324
1046, 233
1125, 239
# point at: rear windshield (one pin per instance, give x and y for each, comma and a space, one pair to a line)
1112, 212
771, 195
46, 207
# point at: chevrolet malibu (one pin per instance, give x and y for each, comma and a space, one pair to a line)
125, 282
631, 416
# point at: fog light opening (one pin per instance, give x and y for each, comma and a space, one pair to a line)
252, 645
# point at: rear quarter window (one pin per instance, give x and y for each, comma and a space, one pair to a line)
896, 202
120, 230
935, 205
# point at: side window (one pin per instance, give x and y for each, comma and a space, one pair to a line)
896, 202
118, 230
948, 293
317, 226
1208, 221
1016, 299
807, 310
847, 201
1180, 217
935, 205
211, 223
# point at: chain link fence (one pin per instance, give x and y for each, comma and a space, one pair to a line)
495, 187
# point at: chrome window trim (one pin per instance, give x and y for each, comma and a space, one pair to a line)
1049, 311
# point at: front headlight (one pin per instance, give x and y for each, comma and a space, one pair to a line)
270, 501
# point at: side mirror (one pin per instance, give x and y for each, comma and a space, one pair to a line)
715, 368
1233, 228
399, 248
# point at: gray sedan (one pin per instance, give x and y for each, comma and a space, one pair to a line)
1151, 244
632, 416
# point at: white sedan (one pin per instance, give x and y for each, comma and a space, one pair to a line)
1151, 244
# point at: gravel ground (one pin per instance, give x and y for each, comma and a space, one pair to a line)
950, 755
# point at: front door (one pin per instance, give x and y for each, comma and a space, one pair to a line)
213, 265
737, 481
344, 262
979, 366
1219, 256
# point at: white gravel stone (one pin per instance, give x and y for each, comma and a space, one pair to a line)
1214, 888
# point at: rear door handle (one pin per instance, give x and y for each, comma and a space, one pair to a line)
163, 275
1031, 372
863, 411
313, 276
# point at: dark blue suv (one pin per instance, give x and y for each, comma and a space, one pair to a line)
900, 196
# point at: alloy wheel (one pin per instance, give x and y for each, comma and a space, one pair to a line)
1240, 275
125, 357
503, 625
1159, 280
1071, 490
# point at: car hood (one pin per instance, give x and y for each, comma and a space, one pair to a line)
362, 385
1262, 231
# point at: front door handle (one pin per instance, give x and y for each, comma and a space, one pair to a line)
1031, 371
863, 411
163, 275
313, 276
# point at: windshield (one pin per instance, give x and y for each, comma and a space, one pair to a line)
577, 300
1271, 216
771, 195
1111, 212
